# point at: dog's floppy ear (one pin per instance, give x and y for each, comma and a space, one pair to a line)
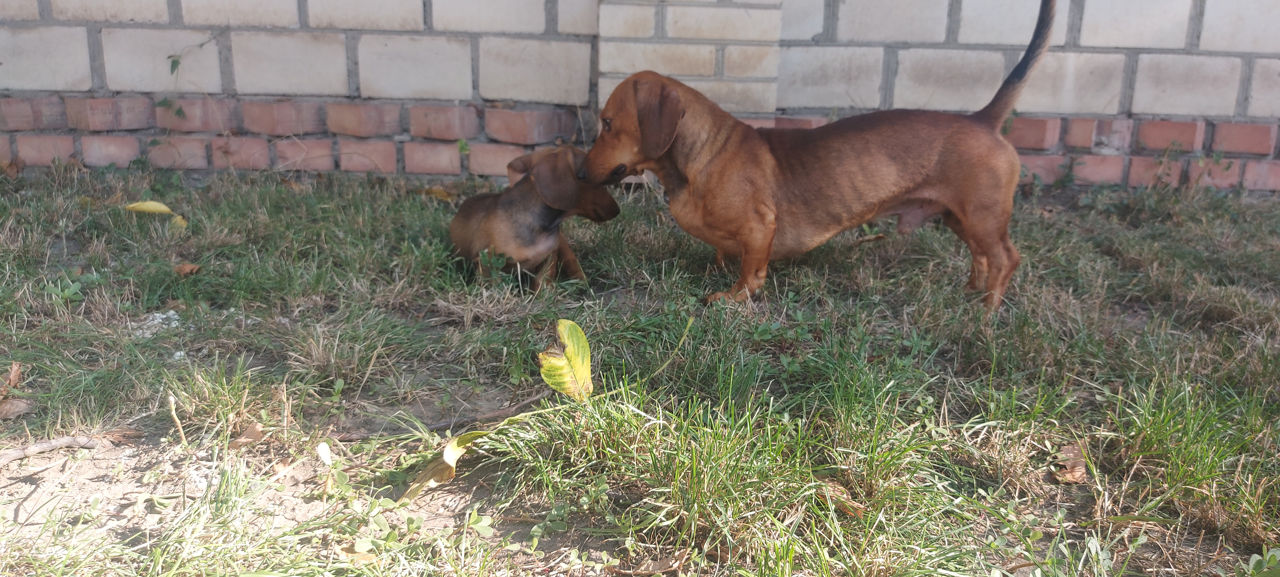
516, 169
659, 110
554, 177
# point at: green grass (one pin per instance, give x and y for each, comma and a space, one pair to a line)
862, 418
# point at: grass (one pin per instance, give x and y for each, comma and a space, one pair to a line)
862, 418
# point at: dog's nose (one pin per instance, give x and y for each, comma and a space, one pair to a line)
582, 173
618, 172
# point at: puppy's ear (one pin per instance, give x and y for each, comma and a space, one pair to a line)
554, 177
659, 110
519, 167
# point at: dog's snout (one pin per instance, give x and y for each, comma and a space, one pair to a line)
618, 172
582, 173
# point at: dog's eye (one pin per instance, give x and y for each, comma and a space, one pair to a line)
607, 124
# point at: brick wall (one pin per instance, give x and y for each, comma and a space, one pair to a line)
393, 85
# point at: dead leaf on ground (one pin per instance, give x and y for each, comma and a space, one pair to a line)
15, 377
350, 553
437, 192
186, 269
13, 169
250, 435
835, 494
1074, 470
10, 408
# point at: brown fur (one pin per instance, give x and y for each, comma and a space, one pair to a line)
523, 221
763, 194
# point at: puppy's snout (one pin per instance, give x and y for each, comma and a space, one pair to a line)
582, 173
618, 172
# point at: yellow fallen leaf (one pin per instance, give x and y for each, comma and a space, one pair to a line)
251, 434
442, 466
178, 221
150, 207
567, 368
186, 269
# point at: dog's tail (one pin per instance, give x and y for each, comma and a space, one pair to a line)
1002, 104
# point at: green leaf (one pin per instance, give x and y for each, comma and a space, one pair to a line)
174, 62
567, 368
441, 468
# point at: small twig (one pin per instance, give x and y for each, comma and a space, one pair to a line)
11, 455
866, 239
173, 413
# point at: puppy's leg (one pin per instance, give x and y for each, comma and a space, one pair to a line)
992, 239
569, 265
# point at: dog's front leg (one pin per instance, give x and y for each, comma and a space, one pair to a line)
757, 247
569, 265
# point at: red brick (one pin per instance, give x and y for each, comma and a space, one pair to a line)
1095, 169
432, 158
1113, 136
1225, 174
42, 149
6, 151
1262, 175
44, 113
1160, 135
282, 117
363, 120
304, 154
179, 152
100, 150
758, 122
241, 152
1048, 168
102, 114
1257, 139
532, 126
197, 115
491, 159
799, 121
1034, 133
1145, 171
444, 122
367, 155
1080, 132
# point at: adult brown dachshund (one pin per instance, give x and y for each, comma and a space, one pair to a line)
762, 194
523, 221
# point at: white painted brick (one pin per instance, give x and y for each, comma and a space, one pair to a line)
627, 21
289, 62
739, 96
802, 19
960, 81
1265, 98
19, 10
112, 10
51, 58
1075, 83
672, 59
265, 13
489, 15
605, 86
578, 16
1136, 23
415, 67
535, 70
138, 60
366, 14
1181, 84
1007, 22
726, 22
1241, 26
893, 20
751, 61
830, 77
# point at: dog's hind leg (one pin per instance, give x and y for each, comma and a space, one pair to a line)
978, 265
